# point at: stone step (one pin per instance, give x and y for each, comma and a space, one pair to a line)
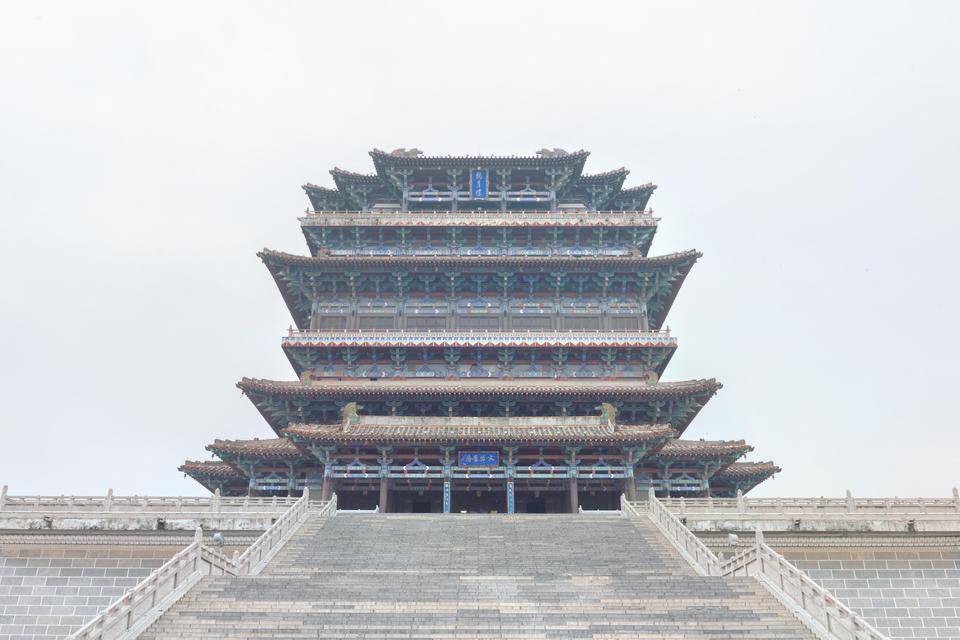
486, 576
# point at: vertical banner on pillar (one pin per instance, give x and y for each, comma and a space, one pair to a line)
446, 496
511, 507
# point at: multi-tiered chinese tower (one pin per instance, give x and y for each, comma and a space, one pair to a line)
479, 334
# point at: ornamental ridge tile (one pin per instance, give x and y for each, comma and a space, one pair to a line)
210, 469
740, 470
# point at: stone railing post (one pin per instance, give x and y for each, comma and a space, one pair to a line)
651, 495
741, 505
851, 505
3, 496
198, 534
306, 495
683, 505
108, 501
956, 498
215, 500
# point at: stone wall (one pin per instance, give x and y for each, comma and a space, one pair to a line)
907, 586
52, 584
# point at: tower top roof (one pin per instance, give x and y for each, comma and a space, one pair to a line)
545, 178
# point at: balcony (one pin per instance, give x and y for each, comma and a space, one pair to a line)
479, 218
479, 338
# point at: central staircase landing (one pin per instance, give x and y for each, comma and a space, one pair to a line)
460, 576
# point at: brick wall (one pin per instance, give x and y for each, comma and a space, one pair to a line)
906, 585
50, 586
905, 593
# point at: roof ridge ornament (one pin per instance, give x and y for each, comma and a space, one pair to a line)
556, 152
403, 152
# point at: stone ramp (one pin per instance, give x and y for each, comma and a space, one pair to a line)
488, 576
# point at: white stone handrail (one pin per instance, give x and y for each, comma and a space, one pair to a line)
812, 603
110, 502
477, 337
125, 617
263, 548
815, 606
137, 609
846, 505
689, 545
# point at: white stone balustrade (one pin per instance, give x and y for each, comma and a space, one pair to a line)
112, 503
789, 506
815, 606
136, 610
110, 512
819, 514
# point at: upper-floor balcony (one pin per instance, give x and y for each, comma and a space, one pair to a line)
516, 218
359, 338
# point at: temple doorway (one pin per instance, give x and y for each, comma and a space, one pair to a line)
478, 501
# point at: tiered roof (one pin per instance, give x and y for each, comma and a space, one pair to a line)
502, 431
269, 395
556, 169
744, 475
297, 275
560, 195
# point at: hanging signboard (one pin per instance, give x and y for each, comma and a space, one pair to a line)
479, 459
478, 184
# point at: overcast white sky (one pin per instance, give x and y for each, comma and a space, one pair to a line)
810, 150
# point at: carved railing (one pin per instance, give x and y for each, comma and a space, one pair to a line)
815, 606
690, 546
111, 503
263, 548
470, 338
137, 609
514, 218
860, 507
812, 603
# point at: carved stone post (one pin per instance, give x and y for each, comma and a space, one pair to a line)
108, 501
215, 501
741, 504
3, 496
956, 498
851, 505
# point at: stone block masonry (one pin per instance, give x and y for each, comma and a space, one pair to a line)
904, 592
905, 585
50, 585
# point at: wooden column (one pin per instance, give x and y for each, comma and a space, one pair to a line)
384, 494
326, 490
574, 497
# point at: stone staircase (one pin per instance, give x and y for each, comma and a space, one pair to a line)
485, 576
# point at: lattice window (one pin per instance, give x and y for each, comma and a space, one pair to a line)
331, 323
375, 323
426, 323
581, 323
